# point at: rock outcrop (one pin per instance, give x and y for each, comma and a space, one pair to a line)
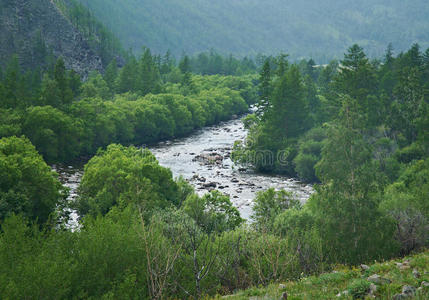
28, 28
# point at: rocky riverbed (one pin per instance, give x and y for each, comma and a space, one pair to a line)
203, 159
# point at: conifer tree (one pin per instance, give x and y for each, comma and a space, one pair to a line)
288, 112
264, 87
127, 76
111, 75
12, 77
60, 76
282, 64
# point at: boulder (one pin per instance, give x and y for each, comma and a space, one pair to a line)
364, 267
210, 185
416, 273
372, 289
377, 279
408, 290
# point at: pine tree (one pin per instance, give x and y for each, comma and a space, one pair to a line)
127, 76
147, 73
12, 77
357, 78
282, 64
415, 58
388, 57
185, 65
264, 88
50, 92
167, 63
40, 50
111, 75
288, 113
60, 76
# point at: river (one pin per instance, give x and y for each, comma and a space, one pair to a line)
203, 159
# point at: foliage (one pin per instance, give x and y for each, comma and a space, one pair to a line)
66, 119
268, 205
309, 153
359, 128
123, 176
358, 288
27, 185
212, 212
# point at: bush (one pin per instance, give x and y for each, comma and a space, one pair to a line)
268, 205
410, 153
28, 186
125, 176
359, 288
309, 154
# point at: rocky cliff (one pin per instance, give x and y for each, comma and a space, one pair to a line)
37, 29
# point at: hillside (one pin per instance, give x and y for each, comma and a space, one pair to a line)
407, 278
40, 31
321, 29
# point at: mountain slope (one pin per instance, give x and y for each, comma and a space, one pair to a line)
301, 28
39, 31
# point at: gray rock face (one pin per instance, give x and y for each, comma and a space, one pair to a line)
24, 22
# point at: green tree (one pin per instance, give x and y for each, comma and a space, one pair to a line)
346, 206
125, 176
268, 205
288, 114
149, 78
264, 88
358, 79
54, 133
11, 83
95, 86
213, 212
28, 186
60, 76
111, 75
127, 80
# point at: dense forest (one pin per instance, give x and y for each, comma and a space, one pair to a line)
148, 100
357, 127
318, 29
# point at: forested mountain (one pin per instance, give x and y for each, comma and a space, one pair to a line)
40, 31
301, 28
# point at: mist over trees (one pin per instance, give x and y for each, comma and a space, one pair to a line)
319, 29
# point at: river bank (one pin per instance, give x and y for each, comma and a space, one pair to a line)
203, 159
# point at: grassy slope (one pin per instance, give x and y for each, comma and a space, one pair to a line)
328, 285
